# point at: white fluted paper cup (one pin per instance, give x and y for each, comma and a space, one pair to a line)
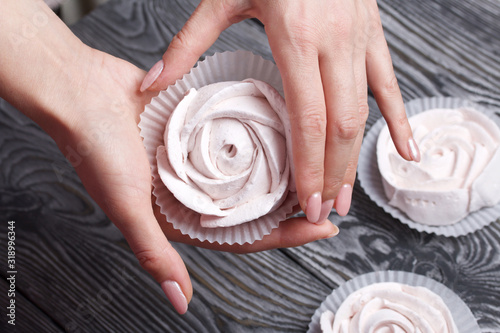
371, 179
227, 66
462, 315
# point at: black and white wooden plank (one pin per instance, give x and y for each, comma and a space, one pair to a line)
25, 314
445, 48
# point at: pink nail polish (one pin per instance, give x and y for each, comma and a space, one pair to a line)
334, 233
175, 295
152, 75
313, 208
414, 151
326, 209
343, 201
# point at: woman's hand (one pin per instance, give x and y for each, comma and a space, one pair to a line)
114, 168
89, 102
327, 52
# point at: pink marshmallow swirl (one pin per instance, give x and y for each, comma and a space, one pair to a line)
390, 307
458, 172
227, 152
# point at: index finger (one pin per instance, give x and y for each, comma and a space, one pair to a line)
383, 83
199, 32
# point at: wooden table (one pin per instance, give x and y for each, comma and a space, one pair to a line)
76, 273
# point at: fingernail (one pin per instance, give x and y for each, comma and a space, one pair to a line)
152, 75
334, 233
326, 209
414, 151
313, 208
175, 295
343, 201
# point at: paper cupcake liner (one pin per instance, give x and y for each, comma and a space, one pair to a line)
227, 66
462, 315
371, 180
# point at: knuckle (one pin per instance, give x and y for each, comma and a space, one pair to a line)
302, 39
332, 187
230, 9
400, 121
297, 26
343, 25
364, 111
180, 41
389, 87
311, 122
306, 174
314, 172
184, 43
347, 126
335, 181
150, 260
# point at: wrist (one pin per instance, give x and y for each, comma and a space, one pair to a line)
57, 96
40, 74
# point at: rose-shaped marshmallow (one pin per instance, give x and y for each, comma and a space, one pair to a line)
390, 307
458, 171
227, 152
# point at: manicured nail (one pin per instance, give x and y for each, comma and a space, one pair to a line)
152, 75
175, 296
313, 208
326, 209
343, 201
414, 151
334, 233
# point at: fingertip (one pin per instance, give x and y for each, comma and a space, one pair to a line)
298, 231
159, 258
343, 201
334, 232
414, 150
326, 209
152, 76
313, 208
175, 295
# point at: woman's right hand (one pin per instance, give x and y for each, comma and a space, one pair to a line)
327, 52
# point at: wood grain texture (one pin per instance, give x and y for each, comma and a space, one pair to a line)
28, 315
77, 274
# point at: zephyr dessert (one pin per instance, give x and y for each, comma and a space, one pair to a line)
459, 168
225, 152
390, 307
219, 146
393, 301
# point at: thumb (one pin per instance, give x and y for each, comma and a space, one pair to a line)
199, 32
157, 256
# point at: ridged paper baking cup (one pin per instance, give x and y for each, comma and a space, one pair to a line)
462, 315
227, 66
371, 179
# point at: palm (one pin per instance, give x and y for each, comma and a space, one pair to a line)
113, 165
115, 169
